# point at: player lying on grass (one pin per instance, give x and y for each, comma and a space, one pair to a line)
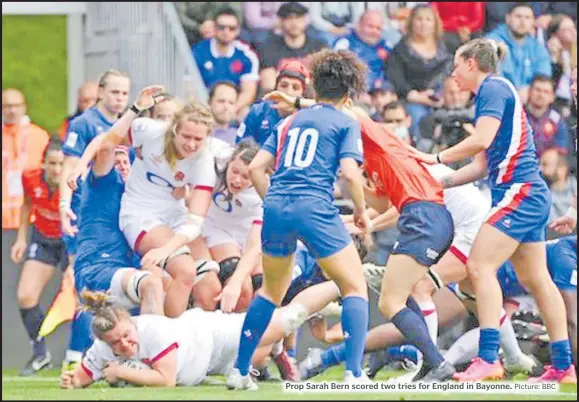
171, 351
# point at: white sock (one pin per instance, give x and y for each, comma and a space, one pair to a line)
73, 356
293, 316
431, 317
277, 348
509, 342
464, 349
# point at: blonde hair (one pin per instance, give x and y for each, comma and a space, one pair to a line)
438, 30
193, 112
486, 52
106, 314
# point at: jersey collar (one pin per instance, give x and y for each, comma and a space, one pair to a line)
215, 53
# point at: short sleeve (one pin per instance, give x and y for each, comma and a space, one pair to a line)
77, 138
158, 344
94, 360
251, 66
351, 146
492, 99
247, 129
205, 176
145, 129
256, 211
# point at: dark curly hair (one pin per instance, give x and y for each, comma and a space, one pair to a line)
337, 74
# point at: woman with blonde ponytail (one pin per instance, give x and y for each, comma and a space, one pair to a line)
503, 148
158, 351
175, 160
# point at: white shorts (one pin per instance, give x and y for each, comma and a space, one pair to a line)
464, 236
215, 236
136, 224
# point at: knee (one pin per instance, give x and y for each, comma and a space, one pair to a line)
205, 292
423, 290
26, 297
478, 272
185, 273
386, 306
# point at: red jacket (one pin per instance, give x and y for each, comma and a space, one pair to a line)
462, 13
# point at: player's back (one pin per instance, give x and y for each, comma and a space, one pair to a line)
99, 236
512, 156
393, 171
308, 147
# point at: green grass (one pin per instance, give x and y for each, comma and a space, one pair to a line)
45, 387
34, 61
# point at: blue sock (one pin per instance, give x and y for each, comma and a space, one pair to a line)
401, 352
355, 326
32, 319
414, 329
488, 344
561, 354
412, 305
256, 321
334, 355
80, 333
293, 352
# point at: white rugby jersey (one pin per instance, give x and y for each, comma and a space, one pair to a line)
467, 204
159, 335
152, 180
240, 212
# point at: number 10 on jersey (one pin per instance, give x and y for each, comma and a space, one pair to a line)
297, 155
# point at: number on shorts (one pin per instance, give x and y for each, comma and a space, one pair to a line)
296, 154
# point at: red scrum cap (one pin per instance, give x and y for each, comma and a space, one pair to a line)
293, 68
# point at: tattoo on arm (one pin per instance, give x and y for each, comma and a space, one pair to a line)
447, 181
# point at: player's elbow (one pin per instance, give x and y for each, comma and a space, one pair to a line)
350, 174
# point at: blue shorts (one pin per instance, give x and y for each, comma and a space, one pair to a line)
426, 232
562, 264
509, 282
521, 210
96, 278
300, 284
314, 221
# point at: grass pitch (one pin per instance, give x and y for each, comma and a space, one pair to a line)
45, 387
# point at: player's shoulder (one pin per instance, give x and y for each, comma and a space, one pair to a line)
32, 174
496, 85
244, 50
218, 149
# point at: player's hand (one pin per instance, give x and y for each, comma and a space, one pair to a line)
564, 225
229, 296
66, 218
180, 193
111, 372
420, 156
17, 251
67, 380
150, 96
284, 103
155, 256
363, 222
79, 171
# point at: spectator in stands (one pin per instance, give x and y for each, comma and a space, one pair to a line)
294, 43
562, 45
396, 118
418, 64
198, 17
23, 143
292, 79
86, 97
166, 109
260, 21
222, 101
380, 95
335, 19
224, 58
451, 123
563, 186
395, 15
526, 56
367, 43
461, 21
549, 127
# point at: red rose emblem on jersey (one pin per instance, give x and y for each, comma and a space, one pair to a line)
236, 66
549, 128
382, 53
179, 176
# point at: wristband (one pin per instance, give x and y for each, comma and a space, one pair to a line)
135, 109
297, 103
63, 204
438, 158
572, 213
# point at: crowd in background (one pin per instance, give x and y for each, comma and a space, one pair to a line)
408, 47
